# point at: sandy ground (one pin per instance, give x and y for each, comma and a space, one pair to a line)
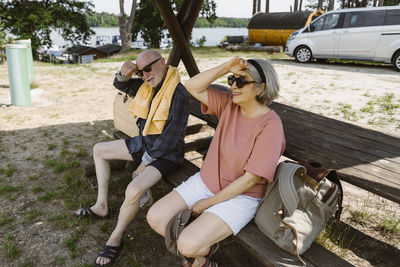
71, 110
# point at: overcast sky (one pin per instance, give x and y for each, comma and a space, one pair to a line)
225, 8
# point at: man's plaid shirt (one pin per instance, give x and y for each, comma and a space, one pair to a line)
169, 144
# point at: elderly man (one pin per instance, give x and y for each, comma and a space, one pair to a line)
161, 105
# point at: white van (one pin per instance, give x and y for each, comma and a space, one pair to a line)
357, 33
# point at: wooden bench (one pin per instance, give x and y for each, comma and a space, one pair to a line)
365, 158
262, 247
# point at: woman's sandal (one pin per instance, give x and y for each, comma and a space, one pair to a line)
89, 213
111, 253
188, 262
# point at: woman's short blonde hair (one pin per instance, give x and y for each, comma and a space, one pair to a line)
271, 89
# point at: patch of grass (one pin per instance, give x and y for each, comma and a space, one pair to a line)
61, 260
37, 189
33, 177
27, 264
105, 226
332, 236
9, 117
50, 162
49, 195
5, 219
132, 261
31, 215
81, 153
66, 165
34, 85
11, 251
51, 146
65, 141
63, 221
369, 108
71, 244
360, 217
10, 189
65, 152
390, 225
9, 171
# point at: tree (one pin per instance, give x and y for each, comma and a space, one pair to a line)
266, 6
125, 27
35, 19
296, 5
149, 24
3, 41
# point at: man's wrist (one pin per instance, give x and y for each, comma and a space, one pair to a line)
147, 159
122, 78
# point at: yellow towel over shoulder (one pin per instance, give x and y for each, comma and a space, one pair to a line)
159, 109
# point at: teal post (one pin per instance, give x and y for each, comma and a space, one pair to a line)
30, 58
18, 74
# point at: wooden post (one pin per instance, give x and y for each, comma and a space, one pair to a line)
177, 36
187, 16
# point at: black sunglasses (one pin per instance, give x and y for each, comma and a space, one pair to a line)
240, 81
146, 68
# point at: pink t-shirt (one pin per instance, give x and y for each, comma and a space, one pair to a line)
241, 144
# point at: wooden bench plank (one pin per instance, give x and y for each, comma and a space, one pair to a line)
363, 157
275, 256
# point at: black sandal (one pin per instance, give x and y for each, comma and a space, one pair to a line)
111, 253
88, 213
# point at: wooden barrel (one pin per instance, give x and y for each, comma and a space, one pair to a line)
275, 28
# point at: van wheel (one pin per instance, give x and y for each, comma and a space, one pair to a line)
303, 54
396, 61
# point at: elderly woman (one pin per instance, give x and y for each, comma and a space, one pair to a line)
241, 159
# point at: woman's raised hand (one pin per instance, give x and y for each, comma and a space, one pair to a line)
238, 66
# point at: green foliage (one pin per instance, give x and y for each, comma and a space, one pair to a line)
5, 220
360, 217
102, 19
390, 225
149, 24
35, 19
3, 40
222, 22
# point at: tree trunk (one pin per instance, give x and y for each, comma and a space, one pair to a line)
374, 4
381, 2
300, 5
258, 5
295, 5
126, 27
320, 4
266, 6
331, 4
254, 6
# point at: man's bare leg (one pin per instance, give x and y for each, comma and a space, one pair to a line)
130, 207
102, 153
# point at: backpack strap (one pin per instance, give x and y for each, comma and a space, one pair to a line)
287, 190
280, 215
333, 177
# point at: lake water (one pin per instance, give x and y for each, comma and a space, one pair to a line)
213, 35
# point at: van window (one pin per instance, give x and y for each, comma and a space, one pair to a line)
364, 19
318, 24
392, 17
332, 22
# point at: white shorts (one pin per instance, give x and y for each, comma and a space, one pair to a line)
235, 212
